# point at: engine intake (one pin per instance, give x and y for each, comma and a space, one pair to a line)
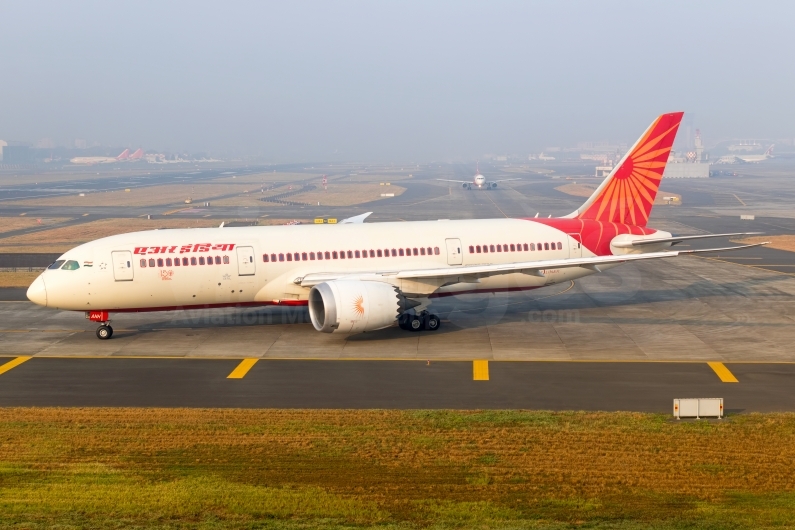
349, 306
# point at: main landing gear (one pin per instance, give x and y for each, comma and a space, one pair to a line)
104, 331
414, 322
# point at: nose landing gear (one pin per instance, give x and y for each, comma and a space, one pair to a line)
418, 322
104, 331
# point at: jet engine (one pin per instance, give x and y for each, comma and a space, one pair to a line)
493, 185
466, 186
349, 306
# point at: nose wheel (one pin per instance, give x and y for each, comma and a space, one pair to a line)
104, 332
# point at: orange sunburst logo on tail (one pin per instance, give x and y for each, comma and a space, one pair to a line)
628, 194
358, 305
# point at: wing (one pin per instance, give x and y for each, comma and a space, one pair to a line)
459, 181
470, 273
503, 180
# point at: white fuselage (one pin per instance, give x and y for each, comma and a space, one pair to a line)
167, 269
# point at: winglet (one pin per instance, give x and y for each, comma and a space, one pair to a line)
355, 220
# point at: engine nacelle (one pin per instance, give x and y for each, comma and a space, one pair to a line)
493, 185
465, 186
349, 306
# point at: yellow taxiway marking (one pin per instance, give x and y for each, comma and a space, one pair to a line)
725, 375
13, 364
242, 369
739, 199
480, 370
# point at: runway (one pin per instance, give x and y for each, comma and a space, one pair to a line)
633, 386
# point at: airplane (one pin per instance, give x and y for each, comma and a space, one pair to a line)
479, 181
757, 158
357, 277
125, 155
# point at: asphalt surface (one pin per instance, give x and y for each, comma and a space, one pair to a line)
647, 387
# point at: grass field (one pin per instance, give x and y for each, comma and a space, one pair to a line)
104, 468
9, 224
347, 194
785, 242
17, 279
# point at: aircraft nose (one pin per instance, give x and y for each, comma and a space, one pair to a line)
37, 292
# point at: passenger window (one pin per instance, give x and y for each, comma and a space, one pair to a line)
193, 261
328, 255
312, 256
430, 251
168, 262
265, 258
297, 256
151, 262
525, 247
143, 264
394, 252
184, 262
350, 254
491, 248
513, 248
289, 257
160, 262
357, 254
218, 260
546, 246
401, 252
210, 260
499, 248
477, 248
415, 251
372, 253
380, 253
532, 246
422, 250
176, 262
436, 250
303, 256
335, 254
273, 258
540, 247
342, 254
281, 257
560, 245
57, 264
226, 259
201, 260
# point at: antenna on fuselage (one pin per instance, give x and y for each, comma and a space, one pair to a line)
536, 215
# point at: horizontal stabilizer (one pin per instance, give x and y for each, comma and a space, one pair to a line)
675, 240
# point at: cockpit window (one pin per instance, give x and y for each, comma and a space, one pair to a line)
70, 265
57, 264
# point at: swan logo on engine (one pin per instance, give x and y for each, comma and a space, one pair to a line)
358, 306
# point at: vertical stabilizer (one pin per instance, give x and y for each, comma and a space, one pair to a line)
124, 155
627, 194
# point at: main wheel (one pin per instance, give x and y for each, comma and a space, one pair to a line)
415, 323
403, 321
432, 322
104, 332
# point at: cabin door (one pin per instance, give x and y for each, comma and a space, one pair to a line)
575, 246
454, 254
122, 265
246, 265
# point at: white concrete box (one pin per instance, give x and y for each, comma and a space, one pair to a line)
698, 408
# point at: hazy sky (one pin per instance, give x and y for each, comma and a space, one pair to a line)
390, 81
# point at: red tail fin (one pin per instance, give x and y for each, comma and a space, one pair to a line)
627, 194
137, 154
124, 155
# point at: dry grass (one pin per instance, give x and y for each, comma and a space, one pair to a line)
347, 194
10, 224
69, 236
313, 469
17, 279
171, 194
784, 242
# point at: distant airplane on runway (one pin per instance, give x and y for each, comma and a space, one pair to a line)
101, 159
478, 181
748, 159
357, 277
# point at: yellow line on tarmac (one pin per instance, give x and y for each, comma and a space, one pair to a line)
242, 369
480, 370
13, 364
725, 375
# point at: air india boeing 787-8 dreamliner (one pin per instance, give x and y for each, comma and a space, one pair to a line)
360, 277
